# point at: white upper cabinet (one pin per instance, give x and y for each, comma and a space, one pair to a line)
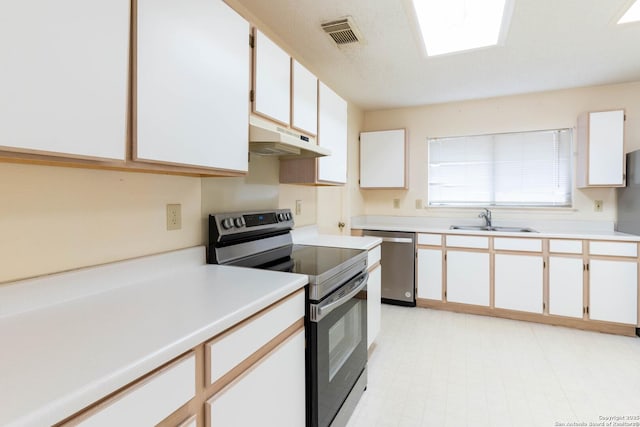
332, 134
271, 80
601, 149
64, 77
304, 99
383, 159
192, 84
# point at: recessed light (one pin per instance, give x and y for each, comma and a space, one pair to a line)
457, 25
632, 14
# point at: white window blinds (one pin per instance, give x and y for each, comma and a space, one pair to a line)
510, 169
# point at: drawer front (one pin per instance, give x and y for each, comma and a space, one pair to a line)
613, 248
474, 242
234, 346
373, 256
511, 244
152, 400
430, 239
565, 246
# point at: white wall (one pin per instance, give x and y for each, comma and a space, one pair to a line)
547, 110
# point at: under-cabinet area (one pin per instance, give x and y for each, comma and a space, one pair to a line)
587, 284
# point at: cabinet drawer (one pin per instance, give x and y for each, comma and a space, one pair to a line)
231, 348
475, 242
373, 256
150, 401
613, 248
565, 246
430, 239
511, 244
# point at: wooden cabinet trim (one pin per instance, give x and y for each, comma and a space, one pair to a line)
592, 325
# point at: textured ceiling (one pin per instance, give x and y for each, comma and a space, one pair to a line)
550, 44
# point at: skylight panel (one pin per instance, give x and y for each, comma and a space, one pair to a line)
632, 14
457, 25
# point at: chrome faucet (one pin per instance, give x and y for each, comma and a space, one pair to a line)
486, 214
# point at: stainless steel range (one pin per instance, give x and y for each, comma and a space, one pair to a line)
336, 314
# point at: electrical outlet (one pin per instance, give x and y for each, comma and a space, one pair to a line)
174, 216
396, 203
298, 207
418, 203
597, 205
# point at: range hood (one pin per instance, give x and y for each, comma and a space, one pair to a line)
270, 139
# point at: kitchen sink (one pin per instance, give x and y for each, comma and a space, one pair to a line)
493, 228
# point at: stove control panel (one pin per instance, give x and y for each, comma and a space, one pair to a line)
227, 224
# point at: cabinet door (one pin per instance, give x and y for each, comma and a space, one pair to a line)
518, 282
192, 84
332, 134
374, 286
606, 148
430, 274
383, 159
64, 77
565, 286
271, 80
304, 99
468, 277
275, 386
613, 291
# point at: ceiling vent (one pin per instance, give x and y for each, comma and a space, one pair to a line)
343, 31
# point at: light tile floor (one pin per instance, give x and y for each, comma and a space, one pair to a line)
437, 368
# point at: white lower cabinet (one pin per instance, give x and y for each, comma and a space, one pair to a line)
150, 401
518, 282
430, 274
613, 290
565, 286
468, 277
274, 387
374, 295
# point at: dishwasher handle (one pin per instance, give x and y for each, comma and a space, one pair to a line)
397, 239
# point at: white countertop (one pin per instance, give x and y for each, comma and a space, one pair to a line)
59, 358
544, 229
310, 236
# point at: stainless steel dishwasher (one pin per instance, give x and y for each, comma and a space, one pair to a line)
398, 266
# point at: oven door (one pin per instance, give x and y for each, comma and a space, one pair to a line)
337, 349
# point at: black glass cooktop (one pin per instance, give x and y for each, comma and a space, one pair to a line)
314, 260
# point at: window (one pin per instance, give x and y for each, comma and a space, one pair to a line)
509, 169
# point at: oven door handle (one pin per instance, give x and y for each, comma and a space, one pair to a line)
319, 311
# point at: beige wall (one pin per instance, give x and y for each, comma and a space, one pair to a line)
548, 110
54, 219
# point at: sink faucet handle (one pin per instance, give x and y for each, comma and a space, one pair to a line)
486, 214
